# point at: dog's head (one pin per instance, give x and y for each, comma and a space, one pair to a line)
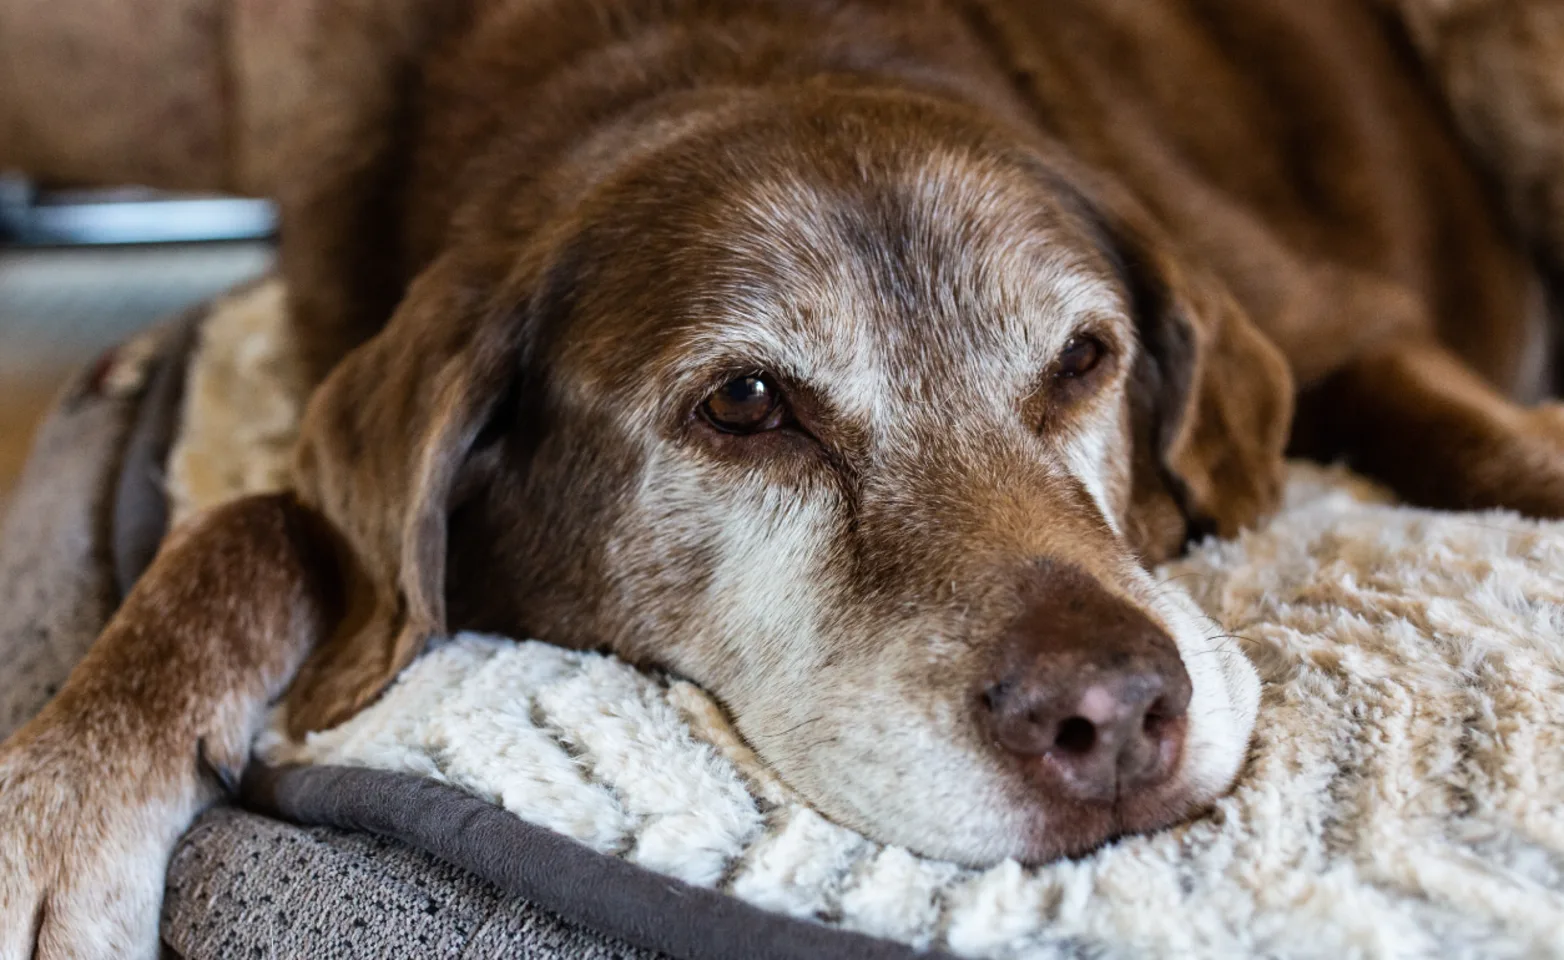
864, 415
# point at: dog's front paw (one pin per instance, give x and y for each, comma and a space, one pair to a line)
85, 836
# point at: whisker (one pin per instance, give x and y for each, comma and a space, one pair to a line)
799, 726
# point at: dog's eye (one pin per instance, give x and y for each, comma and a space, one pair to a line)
1079, 357
746, 404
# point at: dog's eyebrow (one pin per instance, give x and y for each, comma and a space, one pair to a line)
736, 346
1087, 214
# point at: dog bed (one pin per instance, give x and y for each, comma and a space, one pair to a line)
1401, 798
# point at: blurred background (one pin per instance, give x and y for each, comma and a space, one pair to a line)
80, 271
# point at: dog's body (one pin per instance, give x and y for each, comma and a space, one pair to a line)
871, 350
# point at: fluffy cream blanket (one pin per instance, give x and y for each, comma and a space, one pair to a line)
1404, 796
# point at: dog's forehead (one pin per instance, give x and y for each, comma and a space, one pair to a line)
948, 277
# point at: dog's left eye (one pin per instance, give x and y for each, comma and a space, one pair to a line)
747, 404
1079, 357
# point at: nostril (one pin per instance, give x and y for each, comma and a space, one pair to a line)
1158, 720
1152, 725
995, 695
1077, 736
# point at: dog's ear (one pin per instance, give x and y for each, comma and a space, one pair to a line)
1211, 396
382, 452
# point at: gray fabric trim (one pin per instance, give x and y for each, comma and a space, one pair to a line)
553, 871
84, 520
241, 885
140, 502
56, 585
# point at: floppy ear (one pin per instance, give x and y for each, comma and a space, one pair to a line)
383, 446
1212, 402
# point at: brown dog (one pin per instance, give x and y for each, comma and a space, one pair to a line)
865, 353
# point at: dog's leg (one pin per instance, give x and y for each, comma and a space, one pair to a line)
95, 791
1413, 416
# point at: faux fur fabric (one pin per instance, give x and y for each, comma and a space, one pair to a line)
1403, 797
244, 397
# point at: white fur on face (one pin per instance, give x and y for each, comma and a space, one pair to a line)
930, 354
1089, 457
1225, 690
801, 673
843, 707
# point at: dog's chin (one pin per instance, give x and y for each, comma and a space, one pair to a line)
977, 808
1047, 826
1059, 825
1066, 829
1012, 813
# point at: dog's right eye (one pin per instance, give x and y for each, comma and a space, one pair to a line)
747, 404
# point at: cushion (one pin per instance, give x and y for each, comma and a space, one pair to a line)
1402, 795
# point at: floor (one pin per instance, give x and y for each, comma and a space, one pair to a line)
60, 308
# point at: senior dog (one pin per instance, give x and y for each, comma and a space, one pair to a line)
854, 358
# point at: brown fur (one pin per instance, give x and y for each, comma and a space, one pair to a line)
1330, 251
523, 243
132, 749
1497, 62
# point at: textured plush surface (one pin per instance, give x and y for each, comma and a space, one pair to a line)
1402, 796
242, 404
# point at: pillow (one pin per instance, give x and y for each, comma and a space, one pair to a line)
1404, 793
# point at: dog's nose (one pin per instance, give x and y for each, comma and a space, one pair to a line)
1089, 692
1109, 729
